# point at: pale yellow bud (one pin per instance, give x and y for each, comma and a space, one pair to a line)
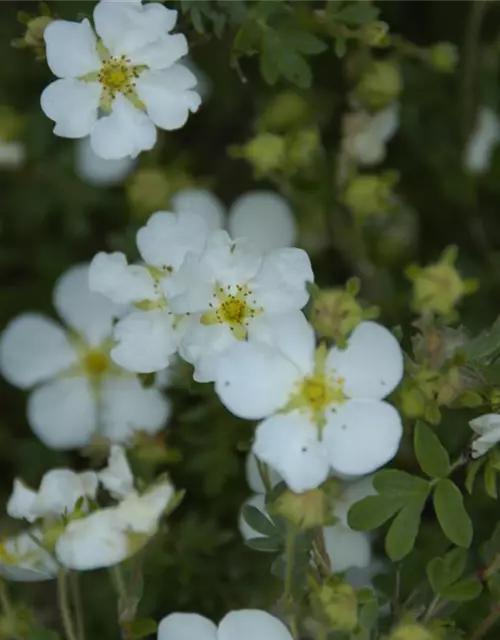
306, 510
379, 85
339, 605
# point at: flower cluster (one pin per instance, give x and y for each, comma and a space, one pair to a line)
119, 78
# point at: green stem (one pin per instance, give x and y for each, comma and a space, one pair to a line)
4, 599
487, 623
264, 475
431, 608
289, 549
64, 606
76, 595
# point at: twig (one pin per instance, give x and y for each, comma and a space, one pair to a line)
64, 606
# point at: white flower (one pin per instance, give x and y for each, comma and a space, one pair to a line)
324, 409
109, 536
12, 154
365, 135
488, 429
23, 560
482, 141
128, 72
247, 624
230, 290
78, 390
59, 492
263, 217
97, 171
148, 336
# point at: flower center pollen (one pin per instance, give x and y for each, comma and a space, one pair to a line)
117, 75
232, 306
95, 363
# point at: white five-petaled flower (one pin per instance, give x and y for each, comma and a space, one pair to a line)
324, 409
110, 535
22, 559
128, 73
59, 492
78, 391
263, 217
147, 337
247, 624
488, 429
230, 292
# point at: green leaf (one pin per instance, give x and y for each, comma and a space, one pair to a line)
443, 572
271, 544
357, 13
302, 41
403, 531
431, 455
462, 591
400, 484
258, 521
451, 514
472, 471
485, 345
490, 482
140, 628
373, 511
494, 586
293, 66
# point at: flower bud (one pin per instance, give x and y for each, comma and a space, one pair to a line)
443, 56
304, 146
150, 189
379, 85
439, 287
375, 34
306, 510
369, 194
33, 37
266, 153
339, 605
285, 112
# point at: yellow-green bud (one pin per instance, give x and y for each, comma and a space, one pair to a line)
286, 111
412, 632
439, 287
375, 34
306, 510
11, 124
339, 605
443, 56
266, 153
33, 37
379, 85
369, 194
335, 313
305, 145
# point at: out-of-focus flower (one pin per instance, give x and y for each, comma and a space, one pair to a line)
482, 141
22, 559
487, 428
365, 135
97, 171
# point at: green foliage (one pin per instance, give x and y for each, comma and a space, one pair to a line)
431, 455
451, 514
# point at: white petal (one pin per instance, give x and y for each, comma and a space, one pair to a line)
71, 48
96, 171
250, 624
161, 53
486, 423
141, 513
125, 132
99, 540
280, 285
372, 363
483, 140
265, 218
259, 502
21, 502
289, 333
12, 154
110, 275
203, 203
254, 478
117, 477
169, 95
62, 413
368, 148
31, 562
190, 289
482, 445
127, 407
254, 380
168, 237
231, 262
89, 314
362, 436
146, 341
72, 105
289, 443
127, 26
61, 489
386, 121
346, 548
34, 348
186, 626
202, 345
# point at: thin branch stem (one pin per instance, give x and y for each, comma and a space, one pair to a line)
490, 620
76, 596
64, 605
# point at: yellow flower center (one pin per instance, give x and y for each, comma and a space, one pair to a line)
233, 307
95, 362
5, 556
117, 76
319, 391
